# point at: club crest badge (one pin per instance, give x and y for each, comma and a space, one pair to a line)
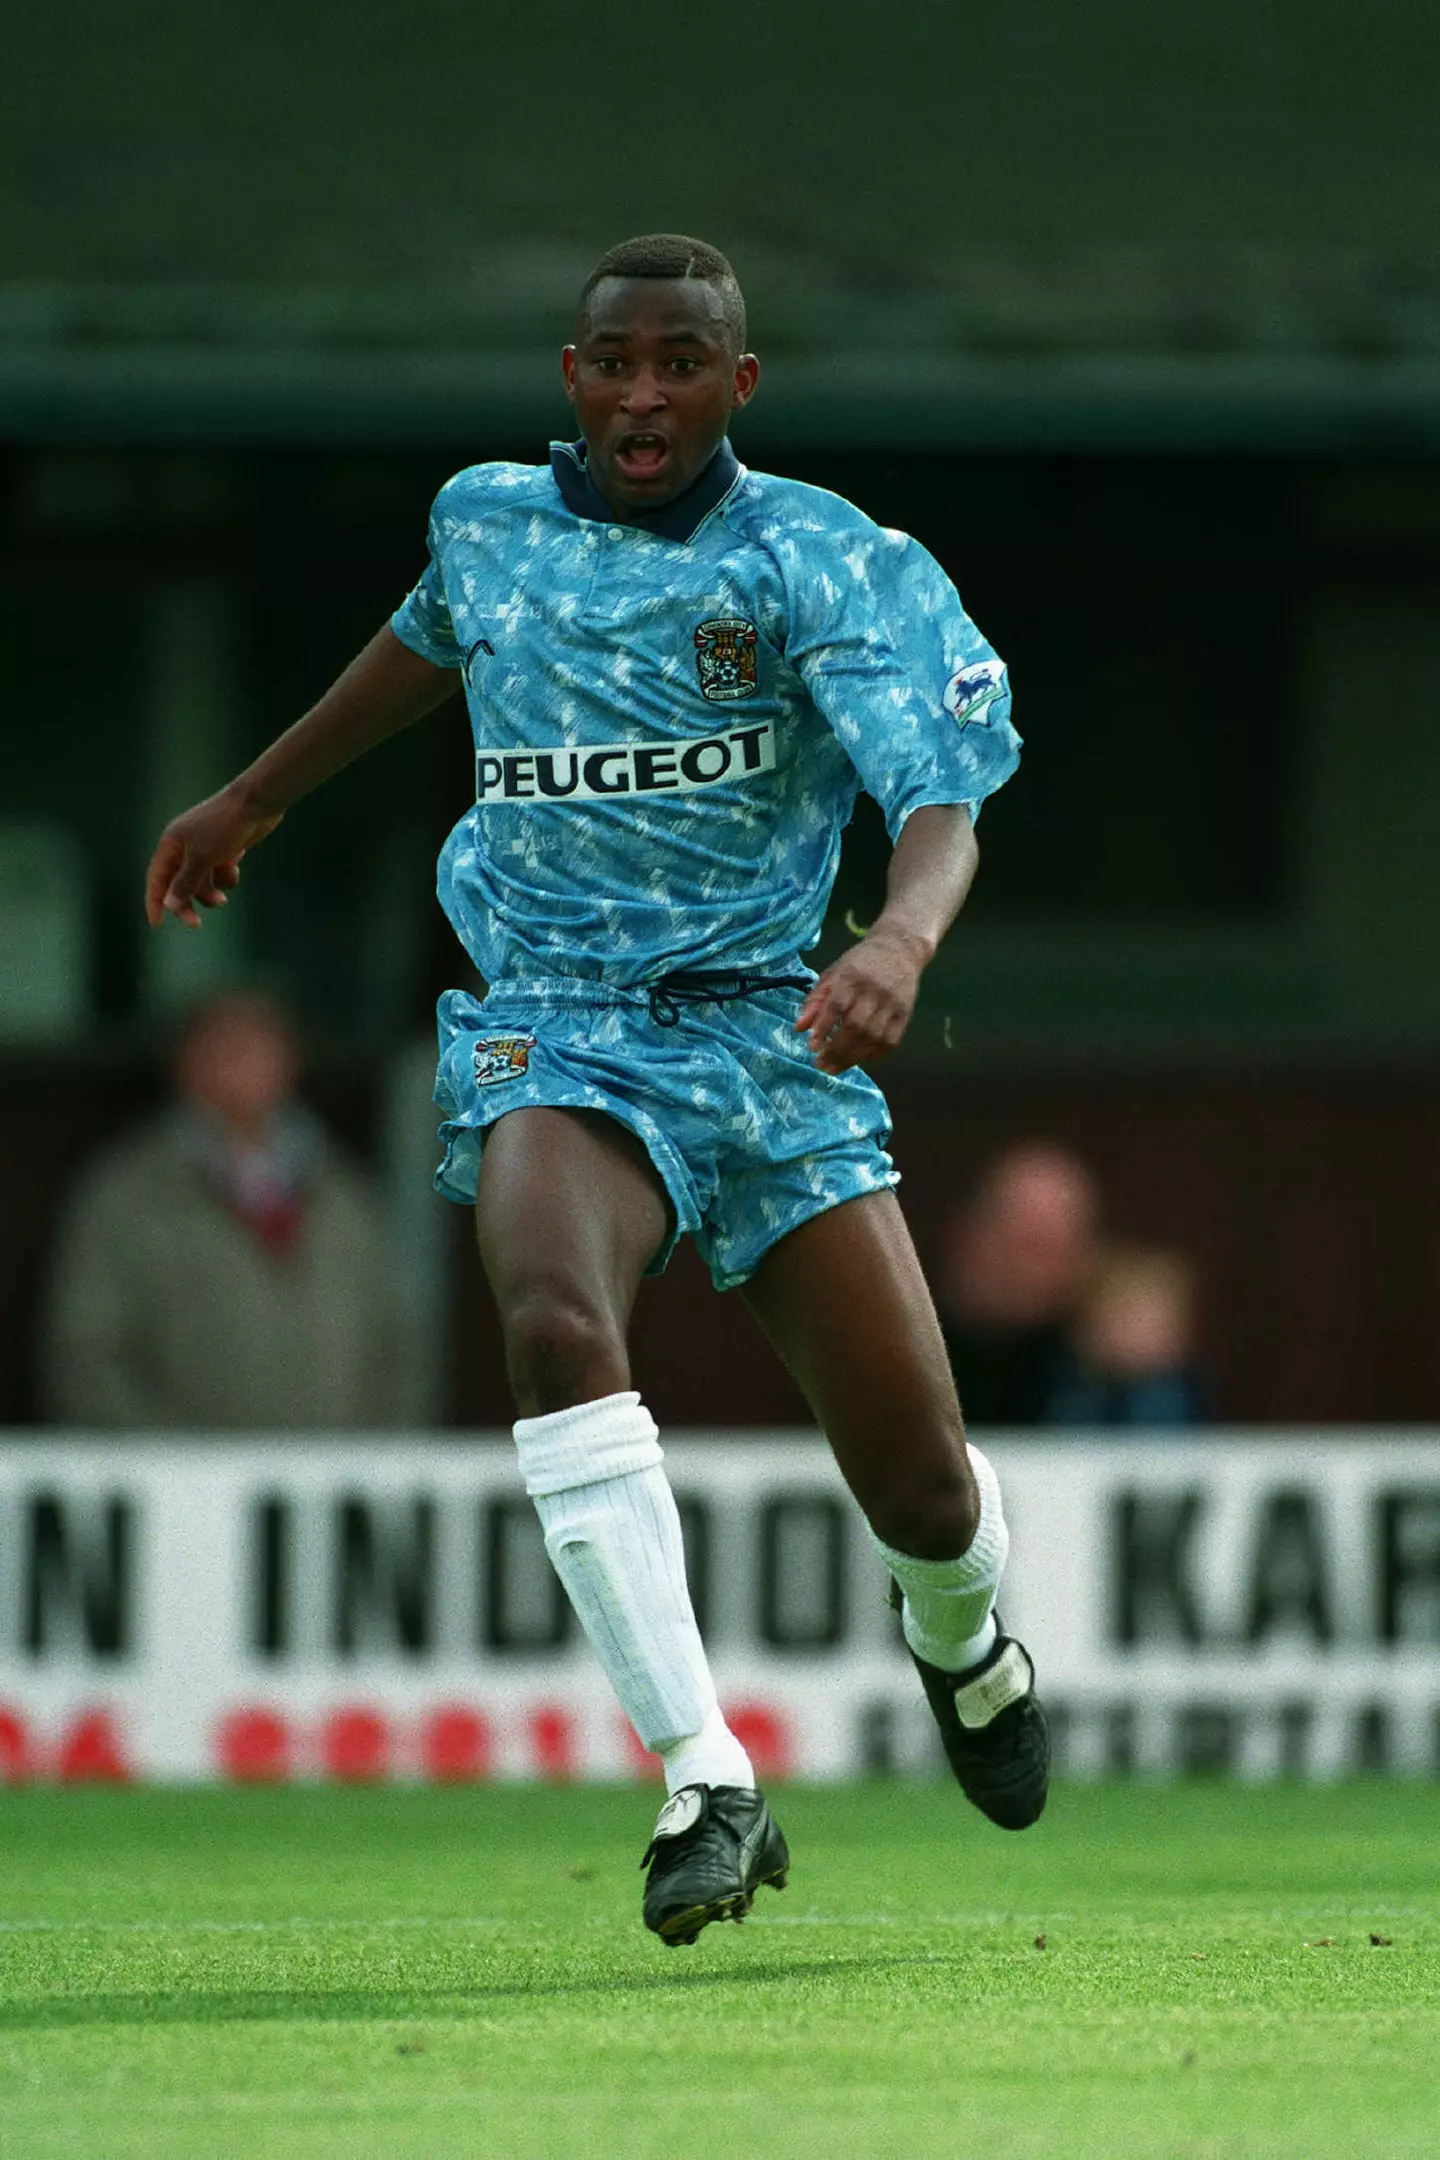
502, 1057
725, 657
968, 696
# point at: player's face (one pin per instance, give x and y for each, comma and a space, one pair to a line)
653, 380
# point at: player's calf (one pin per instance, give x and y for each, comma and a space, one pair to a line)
928, 1515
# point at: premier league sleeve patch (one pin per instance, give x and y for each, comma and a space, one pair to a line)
969, 694
502, 1057
725, 656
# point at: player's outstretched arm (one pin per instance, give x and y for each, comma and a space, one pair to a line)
197, 857
860, 1008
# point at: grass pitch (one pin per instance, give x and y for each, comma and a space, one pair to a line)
1185, 1971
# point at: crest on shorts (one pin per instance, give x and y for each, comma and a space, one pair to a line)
969, 694
502, 1057
725, 658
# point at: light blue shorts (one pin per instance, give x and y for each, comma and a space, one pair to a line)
749, 1138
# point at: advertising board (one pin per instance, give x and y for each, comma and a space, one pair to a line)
1258, 1605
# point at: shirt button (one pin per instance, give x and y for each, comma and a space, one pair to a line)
617, 532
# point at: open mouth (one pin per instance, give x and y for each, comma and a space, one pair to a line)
643, 455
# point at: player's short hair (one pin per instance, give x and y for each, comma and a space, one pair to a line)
672, 255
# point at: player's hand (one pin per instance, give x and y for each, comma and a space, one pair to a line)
860, 1007
196, 862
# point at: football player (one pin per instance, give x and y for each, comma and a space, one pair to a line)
679, 673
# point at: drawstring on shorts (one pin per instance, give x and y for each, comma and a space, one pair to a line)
708, 986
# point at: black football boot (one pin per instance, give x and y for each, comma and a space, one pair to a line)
993, 1729
713, 1847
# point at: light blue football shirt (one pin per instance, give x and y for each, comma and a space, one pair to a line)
672, 717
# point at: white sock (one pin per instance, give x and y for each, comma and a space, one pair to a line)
613, 1535
949, 1613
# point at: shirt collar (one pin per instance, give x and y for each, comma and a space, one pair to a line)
677, 520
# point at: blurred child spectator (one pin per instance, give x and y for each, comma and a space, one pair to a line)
225, 1267
1013, 1268
1132, 1357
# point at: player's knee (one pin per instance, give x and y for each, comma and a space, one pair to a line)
561, 1349
932, 1514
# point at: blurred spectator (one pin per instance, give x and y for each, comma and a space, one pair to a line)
1013, 1268
224, 1267
1132, 1356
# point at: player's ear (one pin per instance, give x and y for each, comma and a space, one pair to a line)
567, 363
747, 374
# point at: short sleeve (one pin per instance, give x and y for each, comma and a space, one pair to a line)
914, 694
422, 620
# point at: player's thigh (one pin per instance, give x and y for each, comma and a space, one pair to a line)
845, 1302
567, 1205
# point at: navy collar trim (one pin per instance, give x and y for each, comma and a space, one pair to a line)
677, 520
